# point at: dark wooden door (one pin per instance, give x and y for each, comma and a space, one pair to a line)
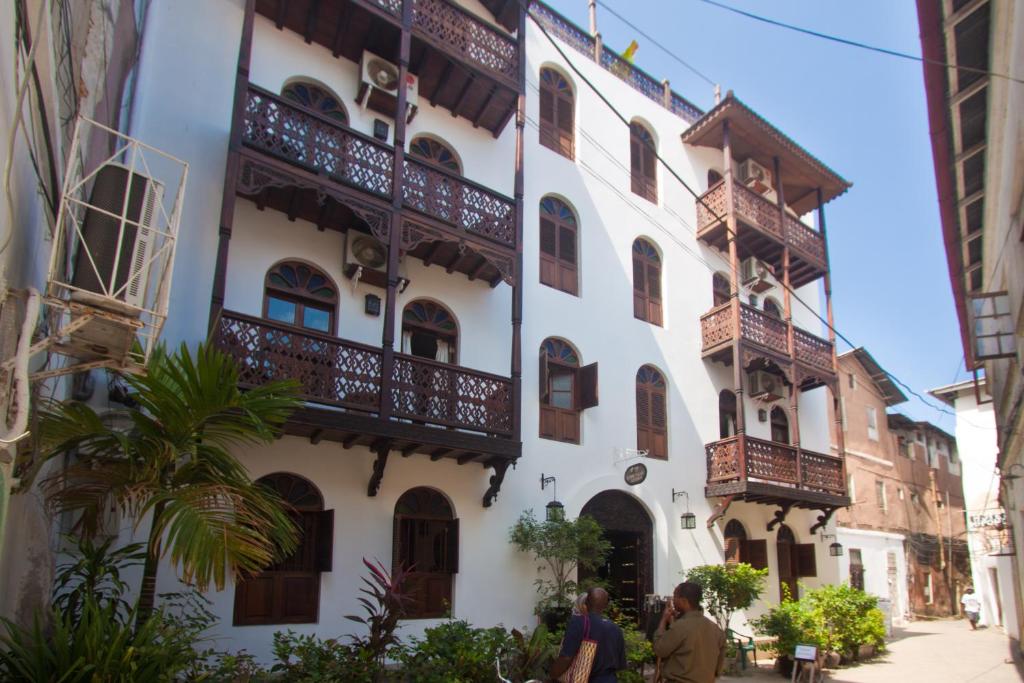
621, 571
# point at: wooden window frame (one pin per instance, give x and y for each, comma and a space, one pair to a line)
557, 113
301, 299
555, 270
564, 424
773, 423
442, 519
643, 162
314, 554
451, 337
647, 305
651, 436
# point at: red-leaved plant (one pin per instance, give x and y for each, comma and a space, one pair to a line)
384, 602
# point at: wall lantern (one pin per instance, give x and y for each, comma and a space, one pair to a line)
836, 548
554, 511
687, 520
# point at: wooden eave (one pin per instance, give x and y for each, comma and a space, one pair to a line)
753, 136
765, 493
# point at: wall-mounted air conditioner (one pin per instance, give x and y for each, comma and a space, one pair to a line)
765, 386
754, 274
378, 87
111, 264
755, 176
366, 260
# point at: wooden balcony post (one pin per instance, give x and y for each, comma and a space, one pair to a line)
598, 47
787, 311
228, 196
395, 238
517, 287
734, 277
836, 389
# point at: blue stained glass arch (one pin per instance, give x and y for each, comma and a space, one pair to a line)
431, 150
557, 209
642, 247
552, 77
431, 315
650, 375
561, 351
318, 99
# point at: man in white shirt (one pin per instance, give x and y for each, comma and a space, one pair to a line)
972, 607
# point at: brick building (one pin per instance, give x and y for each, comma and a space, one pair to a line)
904, 533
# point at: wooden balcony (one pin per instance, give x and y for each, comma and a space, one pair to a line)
294, 159
463, 63
766, 334
760, 232
762, 471
442, 410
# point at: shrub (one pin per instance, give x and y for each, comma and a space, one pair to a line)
530, 657
848, 618
791, 623
308, 659
455, 652
384, 604
728, 588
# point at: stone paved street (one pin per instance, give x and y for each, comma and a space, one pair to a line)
925, 651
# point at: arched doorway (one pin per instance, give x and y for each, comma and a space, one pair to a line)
627, 572
784, 543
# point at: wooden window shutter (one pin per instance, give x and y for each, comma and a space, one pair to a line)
452, 548
396, 543
588, 386
659, 424
547, 116
639, 288
324, 540
653, 293
786, 557
564, 121
643, 416
548, 252
567, 259
804, 562
543, 376
755, 553
733, 550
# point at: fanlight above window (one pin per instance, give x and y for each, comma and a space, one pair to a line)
318, 99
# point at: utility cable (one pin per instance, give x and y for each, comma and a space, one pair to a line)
863, 46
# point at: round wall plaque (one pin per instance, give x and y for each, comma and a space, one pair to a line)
635, 474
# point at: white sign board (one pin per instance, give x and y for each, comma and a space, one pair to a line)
806, 653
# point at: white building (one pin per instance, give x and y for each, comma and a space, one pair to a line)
989, 531
532, 295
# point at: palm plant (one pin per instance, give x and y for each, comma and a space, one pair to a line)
171, 461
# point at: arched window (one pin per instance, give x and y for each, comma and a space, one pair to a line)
646, 282
556, 113
643, 162
558, 246
317, 98
288, 592
780, 425
772, 308
565, 390
721, 288
426, 544
726, 414
735, 536
429, 331
651, 413
435, 152
796, 561
301, 295
713, 177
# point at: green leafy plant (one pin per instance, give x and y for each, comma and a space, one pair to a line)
848, 618
455, 652
790, 623
529, 657
561, 546
308, 659
171, 461
728, 588
94, 569
384, 601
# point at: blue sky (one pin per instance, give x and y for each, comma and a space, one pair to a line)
863, 114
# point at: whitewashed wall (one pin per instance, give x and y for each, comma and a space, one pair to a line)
875, 547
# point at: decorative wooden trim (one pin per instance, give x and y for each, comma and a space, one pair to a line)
780, 515
381, 461
500, 468
823, 518
720, 509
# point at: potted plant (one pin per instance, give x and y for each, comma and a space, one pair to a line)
727, 589
560, 546
790, 623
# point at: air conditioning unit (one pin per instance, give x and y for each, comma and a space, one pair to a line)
366, 260
765, 386
111, 270
378, 87
755, 176
754, 274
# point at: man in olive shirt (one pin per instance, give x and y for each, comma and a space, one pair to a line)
691, 646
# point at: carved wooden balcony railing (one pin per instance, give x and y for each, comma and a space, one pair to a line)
290, 132
743, 458
767, 332
346, 374
762, 216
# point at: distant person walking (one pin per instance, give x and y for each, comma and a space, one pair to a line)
972, 607
592, 625
691, 646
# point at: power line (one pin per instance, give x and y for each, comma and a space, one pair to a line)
854, 43
720, 218
656, 44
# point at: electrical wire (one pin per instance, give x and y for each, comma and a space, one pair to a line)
656, 44
863, 46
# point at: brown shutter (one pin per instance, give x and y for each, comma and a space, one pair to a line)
543, 376
643, 405
564, 121
567, 258
548, 422
548, 127
639, 289
324, 540
659, 424
548, 252
654, 293
785, 560
452, 557
396, 543
588, 386
733, 550
804, 562
755, 553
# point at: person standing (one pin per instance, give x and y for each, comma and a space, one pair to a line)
611, 646
972, 606
691, 646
